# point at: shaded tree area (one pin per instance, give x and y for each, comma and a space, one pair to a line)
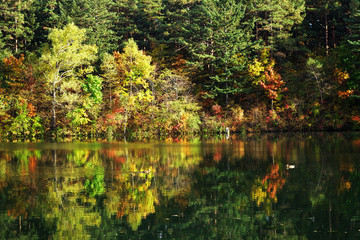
172, 68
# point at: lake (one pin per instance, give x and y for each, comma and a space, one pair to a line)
275, 186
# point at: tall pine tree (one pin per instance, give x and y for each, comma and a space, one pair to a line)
218, 41
16, 25
274, 19
97, 17
350, 50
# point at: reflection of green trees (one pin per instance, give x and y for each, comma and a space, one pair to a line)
68, 206
145, 175
71, 196
95, 186
184, 191
131, 195
219, 207
18, 193
228, 212
93, 170
64, 202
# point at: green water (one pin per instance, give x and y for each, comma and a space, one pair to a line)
290, 186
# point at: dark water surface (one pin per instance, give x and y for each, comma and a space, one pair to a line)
290, 186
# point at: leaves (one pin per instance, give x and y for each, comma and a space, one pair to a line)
63, 63
273, 84
93, 85
26, 122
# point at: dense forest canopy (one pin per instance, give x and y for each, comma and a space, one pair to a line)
171, 68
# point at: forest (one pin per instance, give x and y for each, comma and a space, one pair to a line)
170, 69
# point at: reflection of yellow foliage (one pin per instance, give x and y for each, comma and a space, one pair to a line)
344, 184
133, 194
70, 207
258, 193
265, 190
130, 193
181, 156
140, 207
3, 167
239, 150
79, 157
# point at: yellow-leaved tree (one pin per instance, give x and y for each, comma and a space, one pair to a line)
64, 64
135, 75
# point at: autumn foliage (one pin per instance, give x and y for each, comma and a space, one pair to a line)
274, 180
273, 85
137, 92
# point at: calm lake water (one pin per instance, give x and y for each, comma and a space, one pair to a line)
290, 186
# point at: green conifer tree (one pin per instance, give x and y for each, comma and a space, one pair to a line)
350, 50
96, 17
148, 22
125, 24
15, 25
274, 19
218, 41
46, 18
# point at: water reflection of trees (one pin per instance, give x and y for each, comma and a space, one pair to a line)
72, 184
145, 176
217, 190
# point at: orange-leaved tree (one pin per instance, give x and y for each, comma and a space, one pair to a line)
262, 72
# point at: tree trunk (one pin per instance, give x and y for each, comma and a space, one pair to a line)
272, 40
53, 119
320, 90
16, 39
212, 70
127, 112
327, 33
333, 36
110, 99
125, 124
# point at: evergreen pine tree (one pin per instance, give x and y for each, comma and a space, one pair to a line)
148, 22
46, 19
274, 19
125, 25
324, 25
99, 24
350, 50
96, 16
15, 25
174, 27
218, 40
